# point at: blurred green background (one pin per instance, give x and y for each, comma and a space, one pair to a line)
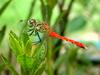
76, 19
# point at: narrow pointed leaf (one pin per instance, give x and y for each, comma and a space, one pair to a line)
39, 56
24, 37
2, 33
3, 8
41, 68
27, 43
28, 48
15, 43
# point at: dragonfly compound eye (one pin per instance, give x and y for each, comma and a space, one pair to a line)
32, 22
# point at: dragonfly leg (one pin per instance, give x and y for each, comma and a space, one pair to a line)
31, 33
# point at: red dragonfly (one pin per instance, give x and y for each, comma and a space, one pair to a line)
44, 27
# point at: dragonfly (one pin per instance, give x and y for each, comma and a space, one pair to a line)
43, 27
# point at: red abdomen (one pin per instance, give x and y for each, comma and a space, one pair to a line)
55, 35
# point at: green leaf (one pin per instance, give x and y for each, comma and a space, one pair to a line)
2, 33
33, 63
28, 48
39, 56
8, 65
76, 24
3, 8
24, 37
40, 68
26, 42
25, 61
15, 43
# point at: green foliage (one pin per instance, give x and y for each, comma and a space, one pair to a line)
5, 6
2, 33
51, 3
40, 70
39, 56
71, 61
8, 65
22, 47
15, 43
84, 2
77, 23
25, 61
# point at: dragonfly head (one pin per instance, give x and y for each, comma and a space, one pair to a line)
32, 22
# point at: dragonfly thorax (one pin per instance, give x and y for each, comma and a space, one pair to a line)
38, 26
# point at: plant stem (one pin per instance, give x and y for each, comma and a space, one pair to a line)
49, 60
